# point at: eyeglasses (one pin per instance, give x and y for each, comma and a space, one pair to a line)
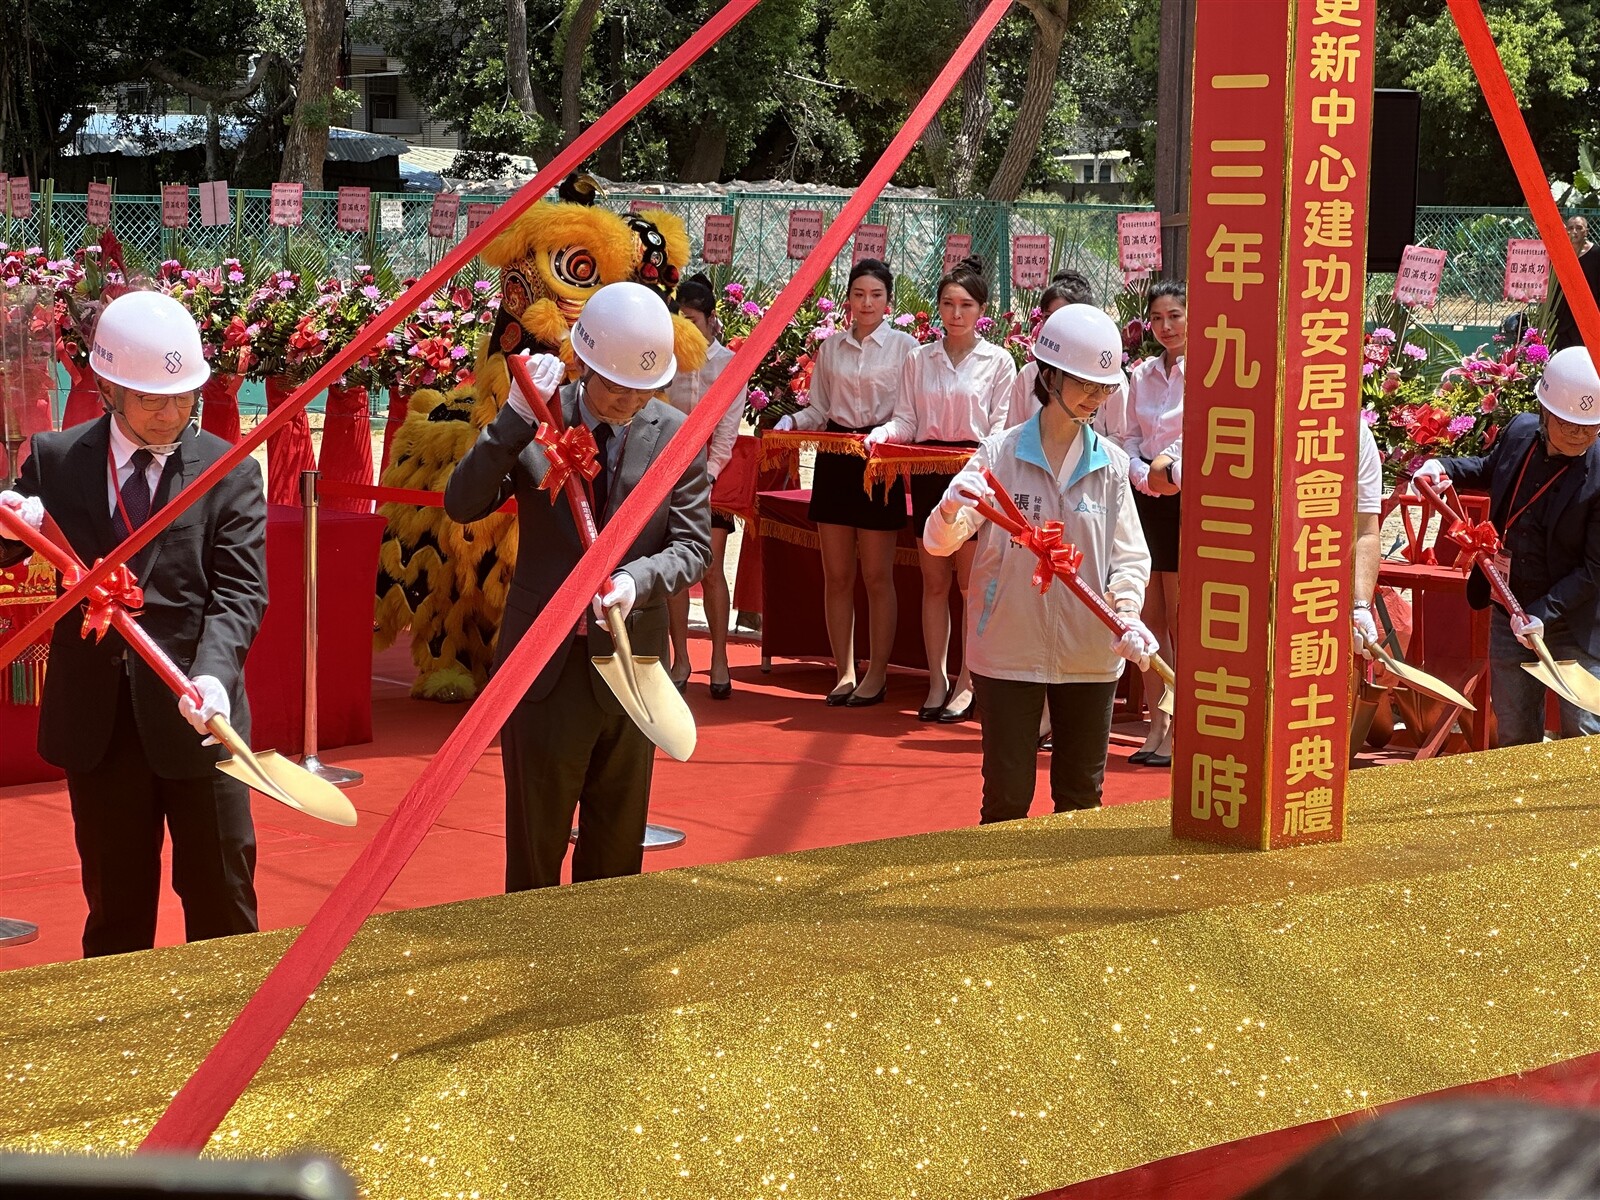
154, 404
1094, 389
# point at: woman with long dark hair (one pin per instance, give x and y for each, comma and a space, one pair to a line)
953, 392
855, 382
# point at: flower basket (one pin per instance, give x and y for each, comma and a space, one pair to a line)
288, 450
346, 452
219, 405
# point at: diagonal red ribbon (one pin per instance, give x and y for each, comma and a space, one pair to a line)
119, 590
570, 450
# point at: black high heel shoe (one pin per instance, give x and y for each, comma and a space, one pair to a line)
931, 713
858, 700
838, 699
952, 716
722, 691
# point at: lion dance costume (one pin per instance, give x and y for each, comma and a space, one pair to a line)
448, 582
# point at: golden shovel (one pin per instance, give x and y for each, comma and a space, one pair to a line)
269, 773
1419, 680
1170, 682
646, 692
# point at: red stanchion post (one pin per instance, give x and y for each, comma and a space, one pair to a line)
310, 509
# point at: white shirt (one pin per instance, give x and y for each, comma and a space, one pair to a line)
1012, 632
122, 450
1152, 418
856, 383
1369, 471
940, 402
689, 388
1023, 404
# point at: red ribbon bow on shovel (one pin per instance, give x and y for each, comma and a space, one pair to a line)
569, 450
1055, 556
119, 590
1474, 539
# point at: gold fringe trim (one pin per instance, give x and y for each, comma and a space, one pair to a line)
779, 448
904, 556
881, 472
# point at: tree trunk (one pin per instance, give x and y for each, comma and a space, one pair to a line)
937, 148
579, 30
307, 145
518, 71
608, 159
704, 164
1038, 96
975, 112
213, 143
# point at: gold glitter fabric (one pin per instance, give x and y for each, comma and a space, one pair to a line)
984, 1013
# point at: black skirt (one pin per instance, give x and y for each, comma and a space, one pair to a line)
837, 497
927, 489
1161, 517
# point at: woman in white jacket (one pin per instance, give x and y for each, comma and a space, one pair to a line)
1027, 651
699, 304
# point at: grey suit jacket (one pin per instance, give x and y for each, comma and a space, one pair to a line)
672, 551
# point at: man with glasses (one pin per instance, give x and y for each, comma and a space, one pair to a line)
569, 746
135, 762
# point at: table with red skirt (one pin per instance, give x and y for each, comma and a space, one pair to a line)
275, 669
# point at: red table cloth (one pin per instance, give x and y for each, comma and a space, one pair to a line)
792, 621
275, 670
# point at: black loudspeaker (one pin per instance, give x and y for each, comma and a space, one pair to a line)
1392, 192
161, 1177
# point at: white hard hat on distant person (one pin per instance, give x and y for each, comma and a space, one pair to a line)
1082, 341
147, 341
625, 334
1570, 388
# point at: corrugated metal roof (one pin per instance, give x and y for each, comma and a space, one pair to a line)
138, 136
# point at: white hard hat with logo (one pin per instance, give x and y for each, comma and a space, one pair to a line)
625, 334
1082, 341
1570, 388
147, 341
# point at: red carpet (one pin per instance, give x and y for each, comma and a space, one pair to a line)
776, 770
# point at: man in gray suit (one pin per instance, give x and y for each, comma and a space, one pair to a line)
569, 745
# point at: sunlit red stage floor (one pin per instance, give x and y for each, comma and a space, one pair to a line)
776, 770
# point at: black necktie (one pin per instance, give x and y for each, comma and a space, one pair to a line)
602, 481
135, 496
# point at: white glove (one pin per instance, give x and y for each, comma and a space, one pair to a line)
1433, 473
1138, 644
965, 490
1366, 631
29, 508
548, 373
784, 424
213, 703
873, 440
1139, 475
621, 593
1526, 630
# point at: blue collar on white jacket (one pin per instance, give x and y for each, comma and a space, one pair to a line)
1030, 449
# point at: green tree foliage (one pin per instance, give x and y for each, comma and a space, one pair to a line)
1551, 51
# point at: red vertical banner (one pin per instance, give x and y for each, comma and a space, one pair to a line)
355, 209
1325, 262
956, 247
99, 207
871, 241
1236, 220
1271, 405
1527, 271
175, 206
1030, 260
21, 197
288, 204
442, 216
479, 214
215, 208
716, 240
805, 231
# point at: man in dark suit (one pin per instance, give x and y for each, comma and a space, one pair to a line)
1543, 479
569, 745
132, 751
1566, 325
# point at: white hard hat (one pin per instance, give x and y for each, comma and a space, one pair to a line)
625, 334
147, 341
1082, 341
1569, 387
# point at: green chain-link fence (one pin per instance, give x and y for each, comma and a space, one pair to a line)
1083, 236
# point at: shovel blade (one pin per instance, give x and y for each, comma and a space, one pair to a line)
1419, 680
290, 784
656, 707
1167, 703
1569, 681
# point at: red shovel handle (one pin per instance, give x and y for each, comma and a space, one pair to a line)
1485, 562
63, 560
576, 497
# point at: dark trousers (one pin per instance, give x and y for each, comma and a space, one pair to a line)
1080, 728
120, 811
566, 753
